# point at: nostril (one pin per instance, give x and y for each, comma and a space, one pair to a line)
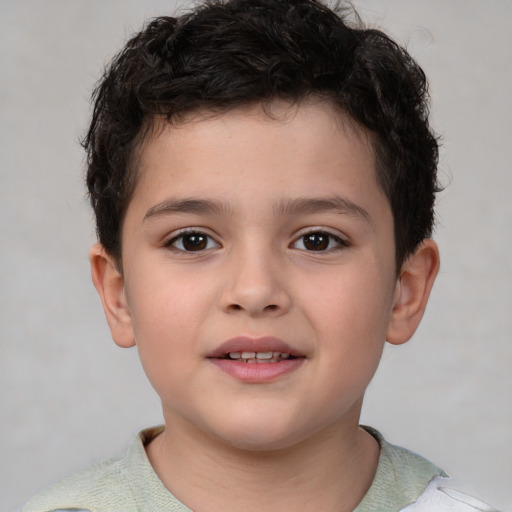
238, 307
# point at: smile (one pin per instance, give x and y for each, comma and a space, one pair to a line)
256, 360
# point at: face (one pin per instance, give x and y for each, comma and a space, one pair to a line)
258, 267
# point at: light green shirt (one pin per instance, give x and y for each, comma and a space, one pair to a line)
129, 483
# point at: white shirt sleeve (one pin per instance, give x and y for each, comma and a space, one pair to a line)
439, 496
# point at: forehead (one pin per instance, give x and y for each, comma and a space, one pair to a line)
279, 150
277, 126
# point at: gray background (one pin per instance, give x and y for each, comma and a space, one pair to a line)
70, 397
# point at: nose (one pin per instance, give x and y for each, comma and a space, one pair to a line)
255, 284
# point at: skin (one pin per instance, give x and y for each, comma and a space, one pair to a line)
256, 275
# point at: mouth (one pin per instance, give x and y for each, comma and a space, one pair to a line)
246, 349
256, 359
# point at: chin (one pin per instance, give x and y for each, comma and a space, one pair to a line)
260, 443
261, 436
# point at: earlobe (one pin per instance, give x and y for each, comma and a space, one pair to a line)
109, 284
412, 291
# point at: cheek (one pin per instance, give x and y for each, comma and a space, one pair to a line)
354, 303
166, 320
351, 318
166, 302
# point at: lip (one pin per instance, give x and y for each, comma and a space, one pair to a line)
256, 372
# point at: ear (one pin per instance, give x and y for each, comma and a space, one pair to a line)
412, 291
109, 283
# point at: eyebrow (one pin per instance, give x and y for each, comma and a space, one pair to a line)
187, 205
291, 207
336, 204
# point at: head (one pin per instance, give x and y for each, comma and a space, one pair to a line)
229, 54
259, 172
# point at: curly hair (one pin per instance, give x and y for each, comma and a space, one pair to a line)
228, 53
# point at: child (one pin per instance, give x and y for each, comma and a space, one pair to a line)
263, 178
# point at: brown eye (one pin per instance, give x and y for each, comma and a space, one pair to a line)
193, 242
316, 241
319, 241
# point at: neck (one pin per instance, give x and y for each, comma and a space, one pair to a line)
331, 471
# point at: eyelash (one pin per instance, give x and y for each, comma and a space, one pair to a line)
205, 242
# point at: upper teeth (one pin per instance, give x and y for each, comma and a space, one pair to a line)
266, 357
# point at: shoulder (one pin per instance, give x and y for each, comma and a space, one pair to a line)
116, 484
100, 487
440, 496
400, 479
401, 473
407, 482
